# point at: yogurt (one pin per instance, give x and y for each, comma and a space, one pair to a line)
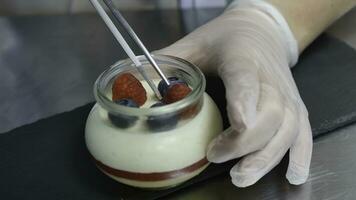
140, 157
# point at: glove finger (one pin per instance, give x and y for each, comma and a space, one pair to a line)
232, 144
242, 86
300, 153
252, 167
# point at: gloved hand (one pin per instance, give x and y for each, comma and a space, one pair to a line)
251, 47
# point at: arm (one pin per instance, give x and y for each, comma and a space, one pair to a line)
308, 18
252, 46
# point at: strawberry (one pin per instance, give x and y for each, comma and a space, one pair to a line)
176, 92
127, 86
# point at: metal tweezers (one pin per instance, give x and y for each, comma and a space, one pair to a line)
121, 20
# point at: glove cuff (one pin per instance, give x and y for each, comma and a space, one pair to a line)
290, 41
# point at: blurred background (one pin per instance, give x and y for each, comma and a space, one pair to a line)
192, 13
43, 7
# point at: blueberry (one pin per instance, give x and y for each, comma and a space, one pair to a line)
121, 120
162, 122
162, 86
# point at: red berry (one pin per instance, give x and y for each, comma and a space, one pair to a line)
127, 86
176, 92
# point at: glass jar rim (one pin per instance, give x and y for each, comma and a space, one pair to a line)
108, 104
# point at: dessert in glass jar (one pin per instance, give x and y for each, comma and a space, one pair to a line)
146, 142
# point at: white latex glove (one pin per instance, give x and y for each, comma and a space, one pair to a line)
251, 47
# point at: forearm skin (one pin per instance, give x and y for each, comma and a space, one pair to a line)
309, 18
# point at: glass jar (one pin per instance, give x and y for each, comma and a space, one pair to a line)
152, 147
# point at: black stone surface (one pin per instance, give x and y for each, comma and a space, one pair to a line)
48, 159
326, 78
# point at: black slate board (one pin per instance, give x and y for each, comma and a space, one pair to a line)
48, 159
326, 78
